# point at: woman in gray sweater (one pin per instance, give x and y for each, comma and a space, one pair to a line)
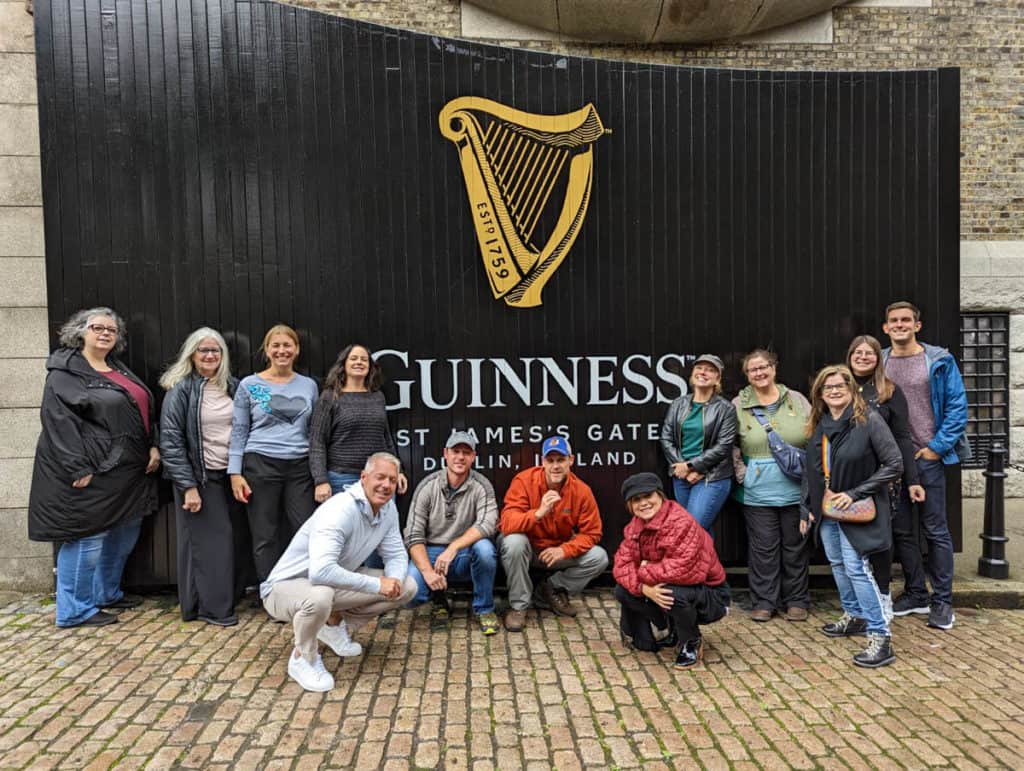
349, 423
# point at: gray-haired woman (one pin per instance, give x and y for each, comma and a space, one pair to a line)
195, 431
92, 481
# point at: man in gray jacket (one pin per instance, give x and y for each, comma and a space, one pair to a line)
320, 584
452, 519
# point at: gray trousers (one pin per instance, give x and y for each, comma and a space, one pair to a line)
572, 575
309, 605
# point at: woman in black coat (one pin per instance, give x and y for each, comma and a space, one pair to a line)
195, 431
864, 358
851, 457
92, 481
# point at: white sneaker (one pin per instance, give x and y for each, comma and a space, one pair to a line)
312, 677
336, 638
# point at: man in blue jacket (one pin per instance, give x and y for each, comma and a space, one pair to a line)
937, 403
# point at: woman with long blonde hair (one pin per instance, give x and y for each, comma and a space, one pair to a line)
195, 431
851, 457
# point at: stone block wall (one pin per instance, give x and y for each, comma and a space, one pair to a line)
24, 344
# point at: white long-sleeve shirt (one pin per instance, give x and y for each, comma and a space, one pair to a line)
337, 539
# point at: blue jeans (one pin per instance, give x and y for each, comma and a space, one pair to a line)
476, 564
932, 514
703, 500
858, 592
89, 571
340, 481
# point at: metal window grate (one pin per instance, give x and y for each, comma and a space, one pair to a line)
986, 368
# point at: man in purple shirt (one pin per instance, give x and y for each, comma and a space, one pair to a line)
937, 403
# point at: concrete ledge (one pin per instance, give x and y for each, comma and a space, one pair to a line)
16, 31
15, 480
21, 382
21, 182
24, 282
19, 128
32, 339
18, 78
19, 432
21, 231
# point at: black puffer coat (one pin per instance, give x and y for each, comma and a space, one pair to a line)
90, 425
181, 443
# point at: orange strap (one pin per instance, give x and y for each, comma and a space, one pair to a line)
825, 458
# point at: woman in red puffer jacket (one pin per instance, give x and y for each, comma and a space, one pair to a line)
668, 574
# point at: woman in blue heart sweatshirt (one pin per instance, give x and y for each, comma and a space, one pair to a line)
268, 459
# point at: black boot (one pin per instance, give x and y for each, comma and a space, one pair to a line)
690, 653
845, 626
879, 652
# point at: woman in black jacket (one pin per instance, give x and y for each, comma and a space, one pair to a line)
851, 457
195, 430
697, 438
864, 358
92, 480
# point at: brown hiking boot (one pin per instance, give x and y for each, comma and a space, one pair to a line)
796, 613
515, 620
556, 600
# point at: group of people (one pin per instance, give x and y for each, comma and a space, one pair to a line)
312, 476
874, 438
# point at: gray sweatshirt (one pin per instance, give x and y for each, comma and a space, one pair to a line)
337, 539
434, 520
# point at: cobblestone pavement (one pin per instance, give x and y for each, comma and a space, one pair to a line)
155, 692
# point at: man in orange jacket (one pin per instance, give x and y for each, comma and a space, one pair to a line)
550, 521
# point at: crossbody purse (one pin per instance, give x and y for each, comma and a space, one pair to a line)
858, 513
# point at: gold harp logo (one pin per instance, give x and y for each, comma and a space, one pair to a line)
517, 166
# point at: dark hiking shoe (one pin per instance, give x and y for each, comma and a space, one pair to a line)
879, 652
845, 626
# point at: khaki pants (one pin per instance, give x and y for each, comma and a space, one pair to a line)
308, 607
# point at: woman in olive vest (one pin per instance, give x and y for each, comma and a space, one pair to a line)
776, 558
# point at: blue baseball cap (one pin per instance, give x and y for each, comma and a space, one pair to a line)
555, 444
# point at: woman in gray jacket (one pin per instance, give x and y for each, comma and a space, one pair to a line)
697, 438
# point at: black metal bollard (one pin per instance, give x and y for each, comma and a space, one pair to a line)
992, 562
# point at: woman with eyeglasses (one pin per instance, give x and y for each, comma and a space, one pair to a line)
777, 559
864, 358
268, 459
852, 457
350, 423
195, 432
92, 481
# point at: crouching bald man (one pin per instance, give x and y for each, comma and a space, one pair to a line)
319, 583
668, 574
550, 521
